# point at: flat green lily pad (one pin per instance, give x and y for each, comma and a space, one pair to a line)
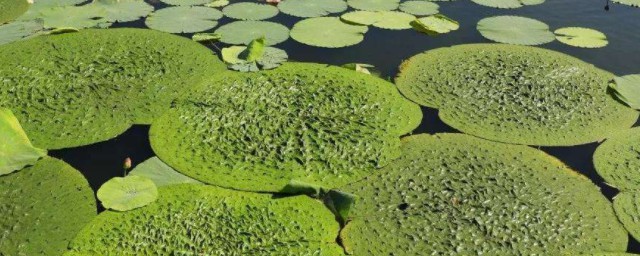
205, 220
79, 17
374, 5
581, 37
160, 173
508, 4
19, 30
328, 32
16, 150
419, 7
634, 3
243, 32
385, 19
616, 160
250, 11
43, 207
312, 8
80, 88
38, 6
128, 193
454, 194
435, 24
123, 10
627, 89
516, 94
12, 9
307, 122
515, 30
184, 19
186, 2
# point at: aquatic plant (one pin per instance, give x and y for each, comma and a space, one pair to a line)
381, 19
16, 150
627, 89
435, 24
80, 88
581, 37
11, 9
374, 5
328, 32
516, 94
454, 194
243, 32
127, 193
193, 219
515, 30
312, 8
254, 57
627, 207
616, 160
419, 7
184, 19
250, 11
508, 4
160, 173
309, 122
43, 207
19, 30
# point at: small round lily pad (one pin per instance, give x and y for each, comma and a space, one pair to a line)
250, 11
243, 32
128, 193
123, 10
515, 30
184, 19
581, 37
312, 8
328, 32
374, 5
384, 19
419, 7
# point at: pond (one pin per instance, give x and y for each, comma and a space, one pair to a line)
387, 49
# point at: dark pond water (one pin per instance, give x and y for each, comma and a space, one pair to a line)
387, 49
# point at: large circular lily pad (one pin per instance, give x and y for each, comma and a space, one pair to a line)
243, 32
329, 32
205, 220
312, 8
43, 207
80, 88
11, 9
515, 30
250, 11
374, 5
616, 160
307, 122
384, 19
184, 19
516, 94
454, 194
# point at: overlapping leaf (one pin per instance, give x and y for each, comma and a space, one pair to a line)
329, 32
312, 8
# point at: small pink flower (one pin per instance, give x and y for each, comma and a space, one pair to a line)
127, 163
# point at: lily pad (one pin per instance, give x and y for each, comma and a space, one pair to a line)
12, 9
243, 32
123, 10
515, 30
384, 19
626, 205
307, 122
508, 4
206, 37
516, 94
43, 207
312, 8
250, 11
128, 193
581, 37
205, 220
435, 24
80, 88
454, 194
634, 3
184, 19
79, 17
217, 3
627, 89
272, 58
19, 30
329, 32
374, 5
186, 2
16, 150
39, 6
419, 7
160, 173
616, 160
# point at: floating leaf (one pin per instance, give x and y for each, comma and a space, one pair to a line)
184, 19
160, 173
455, 194
123, 10
206, 37
634, 3
327, 32
250, 11
186, 2
128, 193
58, 31
627, 89
374, 5
362, 68
272, 58
243, 32
312, 8
581, 37
419, 8
626, 206
507, 4
217, 3
516, 94
38, 6
86, 16
19, 30
254, 50
435, 24
384, 19
12, 9
43, 207
515, 30
16, 150
306, 122
206, 220
616, 160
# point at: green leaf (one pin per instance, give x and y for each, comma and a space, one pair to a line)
184, 19
12, 9
312, 8
250, 11
186, 2
341, 202
626, 206
59, 31
254, 51
128, 193
16, 150
374, 5
243, 32
86, 16
581, 37
160, 173
296, 187
19, 30
515, 30
272, 58
38, 6
627, 89
435, 24
123, 10
217, 3
384, 19
206, 37
362, 68
616, 160
419, 8
507, 4
634, 3
329, 32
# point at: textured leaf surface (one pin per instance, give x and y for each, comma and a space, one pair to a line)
160, 173
627, 89
80, 88
16, 150
250, 11
328, 32
12, 9
516, 94
205, 220
43, 207
435, 24
374, 5
617, 160
128, 193
627, 207
243, 32
306, 122
515, 30
454, 194
581, 37
312, 8
184, 19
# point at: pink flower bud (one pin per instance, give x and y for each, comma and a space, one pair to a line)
127, 163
